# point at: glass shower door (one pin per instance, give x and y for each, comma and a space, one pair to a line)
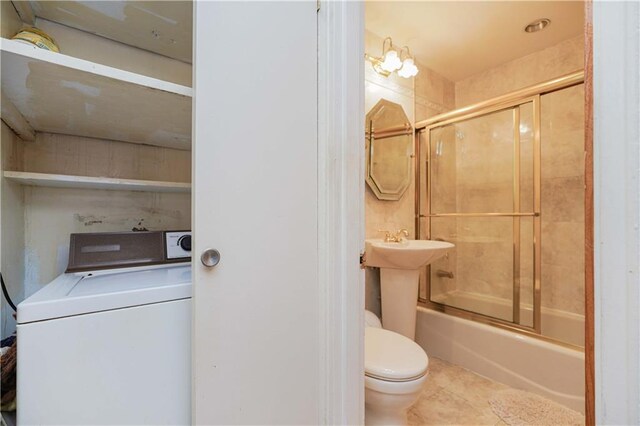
480, 196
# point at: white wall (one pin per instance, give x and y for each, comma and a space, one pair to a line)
11, 229
616, 92
11, 199
51, 214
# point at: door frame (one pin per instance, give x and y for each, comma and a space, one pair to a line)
341, 210
589, 362
612, 204
615, 79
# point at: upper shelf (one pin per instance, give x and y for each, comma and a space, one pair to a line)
61, 94
163, 27
87, 182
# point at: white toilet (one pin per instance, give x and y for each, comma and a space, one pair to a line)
395, 369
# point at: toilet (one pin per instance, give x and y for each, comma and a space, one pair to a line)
395, 368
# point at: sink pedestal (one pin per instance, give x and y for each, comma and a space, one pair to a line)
400, 264
399, 293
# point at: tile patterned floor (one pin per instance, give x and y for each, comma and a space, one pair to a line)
455, 396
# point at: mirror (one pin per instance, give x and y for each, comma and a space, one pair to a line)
389, 149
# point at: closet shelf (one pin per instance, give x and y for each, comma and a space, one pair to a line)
88, 182
61, 94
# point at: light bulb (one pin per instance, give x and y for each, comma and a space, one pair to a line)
391, 61
409, 68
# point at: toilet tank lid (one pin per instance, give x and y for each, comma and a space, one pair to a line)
393, 357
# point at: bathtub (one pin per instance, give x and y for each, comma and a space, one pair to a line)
560, 325
523, 362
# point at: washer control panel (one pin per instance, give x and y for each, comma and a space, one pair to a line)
178, 244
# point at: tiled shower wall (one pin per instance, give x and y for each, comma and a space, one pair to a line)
481, 181
563, 58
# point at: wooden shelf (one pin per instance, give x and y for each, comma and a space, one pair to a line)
87, 182
57, 93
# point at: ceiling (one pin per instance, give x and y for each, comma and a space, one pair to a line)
458, 39
163, 27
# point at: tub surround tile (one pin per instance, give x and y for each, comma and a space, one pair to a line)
478, 177
561, 158
563, 58
564, 241
567, 291
562, 199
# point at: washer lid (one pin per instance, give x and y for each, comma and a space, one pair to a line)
88, 292
392, 357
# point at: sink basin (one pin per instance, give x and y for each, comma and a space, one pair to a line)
409, 254
400, 265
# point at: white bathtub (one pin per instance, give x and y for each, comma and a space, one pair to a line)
560, 325
519, 361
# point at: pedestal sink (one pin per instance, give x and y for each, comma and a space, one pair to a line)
400, 265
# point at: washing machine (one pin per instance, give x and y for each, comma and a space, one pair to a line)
109, 341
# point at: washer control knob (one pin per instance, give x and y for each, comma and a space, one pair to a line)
210, 257
185, 242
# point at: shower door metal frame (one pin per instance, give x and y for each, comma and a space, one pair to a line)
511, 101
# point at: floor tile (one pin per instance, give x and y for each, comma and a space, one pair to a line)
453, 395
446, 408
470, 386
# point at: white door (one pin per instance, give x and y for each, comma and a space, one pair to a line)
256, 335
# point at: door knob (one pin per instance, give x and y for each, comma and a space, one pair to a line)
210, 257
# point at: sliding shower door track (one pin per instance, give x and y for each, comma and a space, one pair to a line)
532, 214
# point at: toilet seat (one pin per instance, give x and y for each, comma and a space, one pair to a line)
392, 357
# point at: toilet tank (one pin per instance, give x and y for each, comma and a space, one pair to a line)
371, 320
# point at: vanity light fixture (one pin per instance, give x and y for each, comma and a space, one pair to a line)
393, 60
409, 68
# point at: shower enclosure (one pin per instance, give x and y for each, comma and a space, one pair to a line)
503, 180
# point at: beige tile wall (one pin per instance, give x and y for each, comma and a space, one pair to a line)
425, 95
486, 268
562, 200
563, 58
432, 95
387, 214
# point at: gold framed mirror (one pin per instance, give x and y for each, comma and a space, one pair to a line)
389, 149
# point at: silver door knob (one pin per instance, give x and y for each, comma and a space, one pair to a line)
210, 257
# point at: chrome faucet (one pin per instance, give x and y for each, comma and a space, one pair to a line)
398, 237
